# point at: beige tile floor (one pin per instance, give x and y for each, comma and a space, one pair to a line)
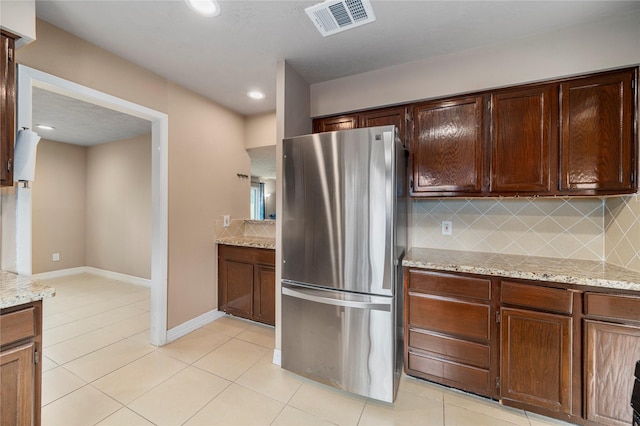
99, 369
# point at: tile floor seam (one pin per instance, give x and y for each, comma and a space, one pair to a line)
84, 354
108, 396
70, 392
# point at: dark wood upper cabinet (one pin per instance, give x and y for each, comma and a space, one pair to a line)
597, 139
7, 109
565, 137
385, 117
523, 124
447, 148
396, 116
332, 124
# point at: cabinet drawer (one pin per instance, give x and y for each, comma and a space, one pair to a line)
247, 254
471, 353
463, 319
17, 325
463, 376
616, 307
450, 284
537, 297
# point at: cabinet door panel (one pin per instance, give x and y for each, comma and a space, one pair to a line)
238, 288
447, 146
385, 117
536, 359
521, 139
17, 381
597, 133
332, 124
264, 295
612, 352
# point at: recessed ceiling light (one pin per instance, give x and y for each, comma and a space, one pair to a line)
254, 94
45, 127
204, 7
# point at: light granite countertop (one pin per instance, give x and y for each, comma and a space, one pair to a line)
17, 290
256, 242
568, 271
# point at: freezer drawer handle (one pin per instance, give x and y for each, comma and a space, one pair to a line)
337, 302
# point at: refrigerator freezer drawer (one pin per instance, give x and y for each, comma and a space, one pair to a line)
341, 339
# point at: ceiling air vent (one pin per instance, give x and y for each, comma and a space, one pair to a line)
334, 16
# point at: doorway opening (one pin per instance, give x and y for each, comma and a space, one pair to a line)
28, 78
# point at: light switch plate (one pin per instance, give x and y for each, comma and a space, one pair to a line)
226, 220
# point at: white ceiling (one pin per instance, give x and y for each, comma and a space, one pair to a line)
81, 123
224, 57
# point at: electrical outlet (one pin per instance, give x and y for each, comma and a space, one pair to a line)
55, 257
226, 220
447, 227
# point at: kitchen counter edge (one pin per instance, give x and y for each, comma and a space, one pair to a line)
18, 289
255, 242
568, 271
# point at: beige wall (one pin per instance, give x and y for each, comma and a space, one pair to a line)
206, 150
118, 212
606, 44
58, 195
260, 130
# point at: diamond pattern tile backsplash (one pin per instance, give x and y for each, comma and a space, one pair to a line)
245, 228
551, 227
622, 231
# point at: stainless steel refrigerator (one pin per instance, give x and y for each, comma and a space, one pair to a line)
344, 234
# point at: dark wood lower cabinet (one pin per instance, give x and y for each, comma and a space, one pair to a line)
264, 294
536, 359
17, 372
449, 327
559, 350
20, 368
247, 283
612, 351
612, 348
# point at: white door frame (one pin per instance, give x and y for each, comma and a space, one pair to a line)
28, 78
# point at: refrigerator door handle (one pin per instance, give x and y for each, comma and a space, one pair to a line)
307, 294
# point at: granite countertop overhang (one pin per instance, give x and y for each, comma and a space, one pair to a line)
569, 271
255, 242
17, 290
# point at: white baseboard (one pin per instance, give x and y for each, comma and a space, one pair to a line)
193, 324
59, 273
95, 271
277, 357
118, 276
